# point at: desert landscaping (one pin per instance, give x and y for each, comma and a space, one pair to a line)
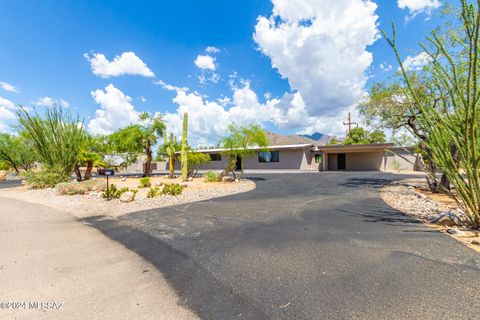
92, 203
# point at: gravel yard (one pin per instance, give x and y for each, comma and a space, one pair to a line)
411, 197
92, 203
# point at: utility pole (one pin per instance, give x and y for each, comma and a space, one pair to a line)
349, 123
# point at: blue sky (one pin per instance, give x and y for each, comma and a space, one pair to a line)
295, 66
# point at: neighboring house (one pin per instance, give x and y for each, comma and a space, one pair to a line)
310, 157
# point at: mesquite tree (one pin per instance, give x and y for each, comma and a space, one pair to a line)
184, 157
454, 128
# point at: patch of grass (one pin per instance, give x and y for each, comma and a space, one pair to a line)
44, 178
72, 188
173, 189
210, 176
154, 192
145, 182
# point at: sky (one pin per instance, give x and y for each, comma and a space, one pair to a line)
293, 66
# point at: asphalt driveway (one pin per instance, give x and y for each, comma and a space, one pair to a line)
305, 246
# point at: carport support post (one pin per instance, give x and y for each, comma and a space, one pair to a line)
324, 161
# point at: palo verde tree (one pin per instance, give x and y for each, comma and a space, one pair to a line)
390, 105
93, 151
362, 136
139, 138
56, 139
16, 151
238, 145
184, 151
454, 128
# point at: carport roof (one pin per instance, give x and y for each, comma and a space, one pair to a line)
355, 147
278, 147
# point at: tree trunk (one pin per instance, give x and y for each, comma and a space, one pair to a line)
148, 164
78, 173
88, 172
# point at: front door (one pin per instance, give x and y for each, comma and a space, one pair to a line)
341, 161
238, 165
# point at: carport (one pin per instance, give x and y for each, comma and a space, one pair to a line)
365, 157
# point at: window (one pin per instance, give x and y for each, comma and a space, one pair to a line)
271, 156
318, 158
215, 157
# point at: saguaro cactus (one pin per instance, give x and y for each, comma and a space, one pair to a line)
184, 153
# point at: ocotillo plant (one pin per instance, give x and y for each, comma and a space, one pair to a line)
184, 148
171, 147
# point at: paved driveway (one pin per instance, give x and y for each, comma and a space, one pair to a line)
305, 246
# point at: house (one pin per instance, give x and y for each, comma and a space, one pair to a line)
311, 157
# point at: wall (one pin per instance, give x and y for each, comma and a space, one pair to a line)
363, 161
401, 160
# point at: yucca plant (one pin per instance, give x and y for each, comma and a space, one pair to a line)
57, 137
454, 129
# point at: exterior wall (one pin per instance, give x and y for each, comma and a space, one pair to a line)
358, 161
401, 160
300, 159
289, 159
331, 162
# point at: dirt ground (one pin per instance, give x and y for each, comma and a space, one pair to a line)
93, 204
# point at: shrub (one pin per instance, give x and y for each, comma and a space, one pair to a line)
72, 188
114, 192
210, 176
44, 178
145, 182
173, 189
153, 192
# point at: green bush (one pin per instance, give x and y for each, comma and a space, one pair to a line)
114, 192
173, 189
210, 176
44, 178
72, 188
145, 182
153, 192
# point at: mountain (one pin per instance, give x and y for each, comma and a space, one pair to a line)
320, 138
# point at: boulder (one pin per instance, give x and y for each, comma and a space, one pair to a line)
189, 179
447, 218
124, 179
476, 242
227, 179
456, 232
127, 196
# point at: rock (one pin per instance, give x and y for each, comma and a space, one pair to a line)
447, 218
476, 242
124, 179
237, 180
420, 195
446, 221
127, 196
227, 179
456, 232
189, 179
184, 185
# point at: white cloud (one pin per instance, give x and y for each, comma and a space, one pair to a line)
205, 62
212, 50
416, 62
209, 120
418, 6
126, 63
50, 102
8, 87
320, 47
169, 87
143, 99
386, 67
7, 113
115, 111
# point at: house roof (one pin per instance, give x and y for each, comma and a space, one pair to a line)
355, 147
274, 147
